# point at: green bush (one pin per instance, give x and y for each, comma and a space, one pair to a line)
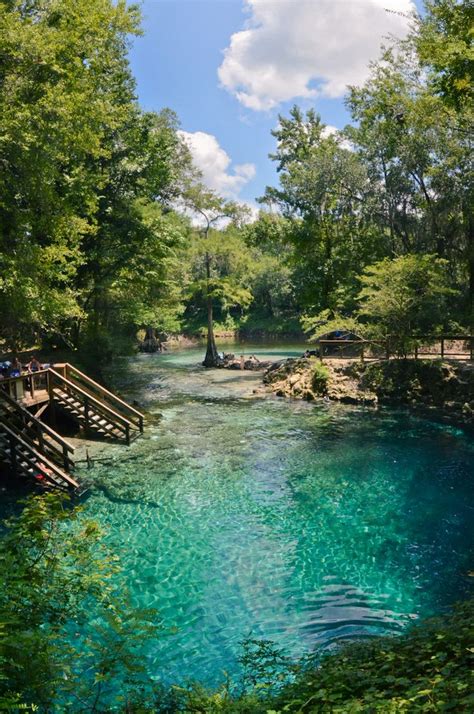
320, 379
427, 669
58, 578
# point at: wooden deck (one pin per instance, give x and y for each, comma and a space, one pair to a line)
41, 397
31, 448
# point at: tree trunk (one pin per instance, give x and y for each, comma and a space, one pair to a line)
212, 358
151, 343
469, 232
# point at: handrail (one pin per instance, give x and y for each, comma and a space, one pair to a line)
25, 375
342, 340
105, 391
42, 460
387, 344
31, 376
99, 405
44, 449
31, 417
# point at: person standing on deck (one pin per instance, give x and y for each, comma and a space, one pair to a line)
16, 368
34, 365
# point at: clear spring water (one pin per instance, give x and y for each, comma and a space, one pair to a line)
295, 522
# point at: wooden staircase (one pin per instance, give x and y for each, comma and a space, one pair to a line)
31, 448
92, 406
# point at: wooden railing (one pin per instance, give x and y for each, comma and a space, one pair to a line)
374, 349
37, 432
28, 383
20, 450
88, 400
101, 393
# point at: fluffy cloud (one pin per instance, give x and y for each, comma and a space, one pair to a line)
214, 163
306, 48
330, 130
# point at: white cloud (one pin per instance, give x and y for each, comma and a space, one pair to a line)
330, 130
306, 48
214, 163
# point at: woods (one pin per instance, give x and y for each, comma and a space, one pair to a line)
95, 243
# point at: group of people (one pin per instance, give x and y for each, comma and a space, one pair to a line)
16, 368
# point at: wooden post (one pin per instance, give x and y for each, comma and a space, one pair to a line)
442, 348
13, 458
416, 350
127, 434
362, 353
65, 459
471, 355
141, 422
86, 412
52, 407
40, 438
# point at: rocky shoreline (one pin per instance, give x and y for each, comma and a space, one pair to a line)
435, 385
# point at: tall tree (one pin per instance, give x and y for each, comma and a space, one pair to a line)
418, 161
444, 39
62, 75
85, 174
322, 188
211, 209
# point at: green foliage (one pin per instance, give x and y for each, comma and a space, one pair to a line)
320, 379
316, 326
91, 246
322, 187
427, 669
404, 297
83, 171
58, 578
445, 44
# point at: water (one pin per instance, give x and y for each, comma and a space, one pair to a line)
239, 514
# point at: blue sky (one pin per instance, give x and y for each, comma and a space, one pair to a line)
228, 67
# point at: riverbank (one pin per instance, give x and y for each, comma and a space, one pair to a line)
439, 385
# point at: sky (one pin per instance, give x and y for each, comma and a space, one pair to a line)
229, 67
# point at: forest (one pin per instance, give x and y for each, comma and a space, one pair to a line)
107, 229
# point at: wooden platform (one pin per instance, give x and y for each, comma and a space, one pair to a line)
31, 448
41, 396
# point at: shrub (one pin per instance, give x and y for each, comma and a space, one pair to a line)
320, 379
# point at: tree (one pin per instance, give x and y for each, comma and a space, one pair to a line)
418, 163
62, 73
322, 192
136, 231
82, 167
403, 298
211, 209
444, 41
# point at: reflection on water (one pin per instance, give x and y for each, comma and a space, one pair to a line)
239, 514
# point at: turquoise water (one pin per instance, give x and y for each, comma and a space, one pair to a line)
241, 514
